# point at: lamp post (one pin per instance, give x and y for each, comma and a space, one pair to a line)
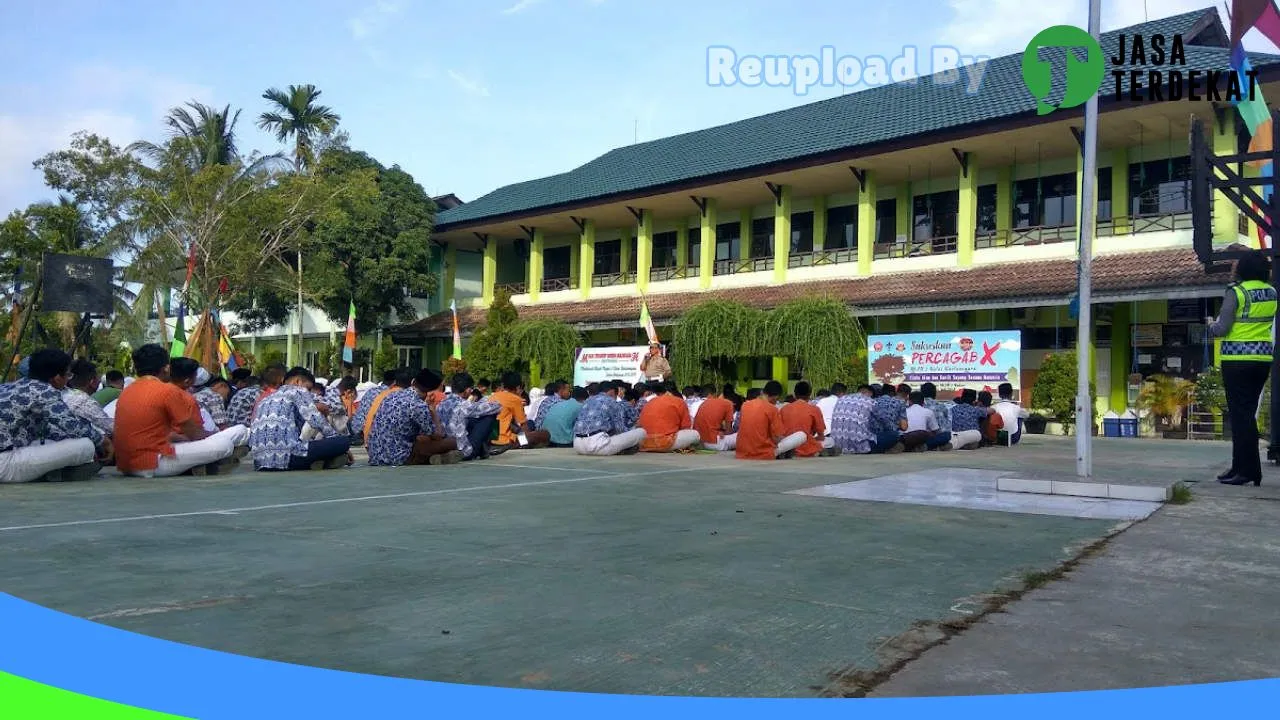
1084, 335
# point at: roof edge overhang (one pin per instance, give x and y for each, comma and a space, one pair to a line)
1018, 121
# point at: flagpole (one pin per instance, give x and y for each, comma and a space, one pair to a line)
1084, 334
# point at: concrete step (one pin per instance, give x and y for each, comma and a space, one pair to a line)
1110, 491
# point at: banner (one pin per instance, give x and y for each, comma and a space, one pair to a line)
608, 363
953, 360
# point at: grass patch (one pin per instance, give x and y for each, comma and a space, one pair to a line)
1181, 494
1033, 579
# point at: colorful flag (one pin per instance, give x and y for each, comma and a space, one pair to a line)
457, 334
646, 322
226, 351
1260, 15
349, 344
179, 346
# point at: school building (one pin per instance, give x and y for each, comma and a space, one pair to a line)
922, 207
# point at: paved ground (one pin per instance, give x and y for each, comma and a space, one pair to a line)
665, 575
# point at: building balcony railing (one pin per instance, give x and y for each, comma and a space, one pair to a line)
1111, 227
515, 288
748, 265
917, 248
1037, 235
674, 272
611, 279
554, 284
1156, 222
818, 258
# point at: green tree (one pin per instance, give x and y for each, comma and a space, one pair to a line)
492, 351
295, 114
1055, 387
550, 343
200, 134
386, 358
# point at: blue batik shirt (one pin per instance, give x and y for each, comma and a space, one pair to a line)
275, 434
400, 419
601, 414
851, 423
941, 413
32, 412
545, 407
240, 411
886, 413
966, 417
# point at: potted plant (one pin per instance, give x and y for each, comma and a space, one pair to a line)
1035, 423
1211, 397
1055, 391
1165, 398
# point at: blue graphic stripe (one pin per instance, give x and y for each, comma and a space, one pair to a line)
95, 660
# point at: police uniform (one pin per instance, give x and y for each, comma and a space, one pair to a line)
1246, 356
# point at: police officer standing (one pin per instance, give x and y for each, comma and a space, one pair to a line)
1246, 328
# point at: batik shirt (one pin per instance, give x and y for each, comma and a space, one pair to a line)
362, 409
941, 413
240, 412
400, 419
277, 427
887, 411
455, 413
630, 413
34, 412
966, 417
212, 403
543, 408
851, 424
83, 404
337, 410
601, 414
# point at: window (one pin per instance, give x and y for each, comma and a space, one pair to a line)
1045, 202
886, 222
842, 228
1160, 187
802, 232
695, 247
762, 238
556, 263
762, 368
727, 241
410, 358
987, 210
608, 257
935, 215
312, 360
1104, 194
664, 250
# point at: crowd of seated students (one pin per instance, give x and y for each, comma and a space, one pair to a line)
63, 420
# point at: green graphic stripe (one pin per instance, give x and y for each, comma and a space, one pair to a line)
22, 699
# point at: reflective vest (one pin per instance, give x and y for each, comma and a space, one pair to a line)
1251, 336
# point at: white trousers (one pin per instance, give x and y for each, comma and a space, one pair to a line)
34, 461
966, 439
726, 443
604, 444
685, 439
201, 452
790, 442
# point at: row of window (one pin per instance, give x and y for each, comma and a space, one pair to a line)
1158, 187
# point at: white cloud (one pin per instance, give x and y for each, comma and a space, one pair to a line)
955, 340
468, 85
972, 31
520, 6
1011, 344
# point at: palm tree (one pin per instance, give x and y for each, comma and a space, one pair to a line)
295, 113
206, 134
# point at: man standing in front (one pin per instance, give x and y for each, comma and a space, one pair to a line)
654, 366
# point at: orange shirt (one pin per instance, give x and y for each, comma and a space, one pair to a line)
759, 425
712, 416
800, 416
512, 412
995, 423
147, 411
664, 415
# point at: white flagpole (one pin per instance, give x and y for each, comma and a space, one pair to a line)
1084, 335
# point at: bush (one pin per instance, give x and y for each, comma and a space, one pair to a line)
452, 366
1165, 397
270, 356
1055, 388
1210, 394
491, 351
386, 358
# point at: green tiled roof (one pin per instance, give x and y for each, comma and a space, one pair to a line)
835, 124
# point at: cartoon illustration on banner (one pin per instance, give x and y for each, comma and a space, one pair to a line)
978, 360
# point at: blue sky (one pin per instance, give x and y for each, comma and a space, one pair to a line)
465, 95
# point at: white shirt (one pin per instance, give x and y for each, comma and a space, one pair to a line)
694, 406
920, 417
1010, 413
827, 406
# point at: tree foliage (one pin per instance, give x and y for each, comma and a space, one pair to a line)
1055, 387
491, 351
386, 358
295, 114
820, 334
549, 343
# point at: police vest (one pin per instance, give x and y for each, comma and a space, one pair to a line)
1250, 337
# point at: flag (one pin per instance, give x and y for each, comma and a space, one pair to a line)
349, 344
646, 322
179, 346
457, 334
226, 351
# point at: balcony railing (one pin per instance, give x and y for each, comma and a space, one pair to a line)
1155, 222
611, 279
554, 284
515, 288
1040, 235
674, 272
917, 248
734, 267
823, 257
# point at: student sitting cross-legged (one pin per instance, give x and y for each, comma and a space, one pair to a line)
923, 431
512, 420
802, 416
559, 421
601, 427
761, 435
158, 428
468, 418
40, 437
666, 422
402, 429
714, 422
966, 421
276, 434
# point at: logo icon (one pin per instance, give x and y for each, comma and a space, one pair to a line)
1083, 78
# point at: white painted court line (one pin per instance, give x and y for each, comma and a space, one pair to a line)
332, 501
554, 469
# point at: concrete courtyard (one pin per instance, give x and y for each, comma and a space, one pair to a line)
675, 575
